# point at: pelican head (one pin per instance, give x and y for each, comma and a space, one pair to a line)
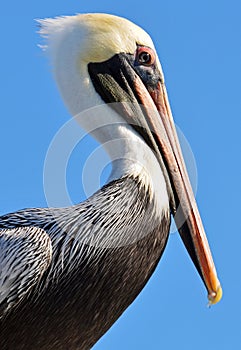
103, 59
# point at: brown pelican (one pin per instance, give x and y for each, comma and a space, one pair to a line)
67, 274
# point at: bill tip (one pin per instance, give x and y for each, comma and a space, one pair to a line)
215, 297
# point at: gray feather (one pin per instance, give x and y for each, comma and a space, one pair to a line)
25, 254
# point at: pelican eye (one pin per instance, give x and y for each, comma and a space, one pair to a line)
145, 56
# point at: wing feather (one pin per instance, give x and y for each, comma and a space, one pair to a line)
25, 254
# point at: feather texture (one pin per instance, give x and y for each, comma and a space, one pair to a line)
25, 254
103, 252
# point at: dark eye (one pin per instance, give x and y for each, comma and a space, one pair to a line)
145, 56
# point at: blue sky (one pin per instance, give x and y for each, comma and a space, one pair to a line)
199, 47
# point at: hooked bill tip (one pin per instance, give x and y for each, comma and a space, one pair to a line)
215, 297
